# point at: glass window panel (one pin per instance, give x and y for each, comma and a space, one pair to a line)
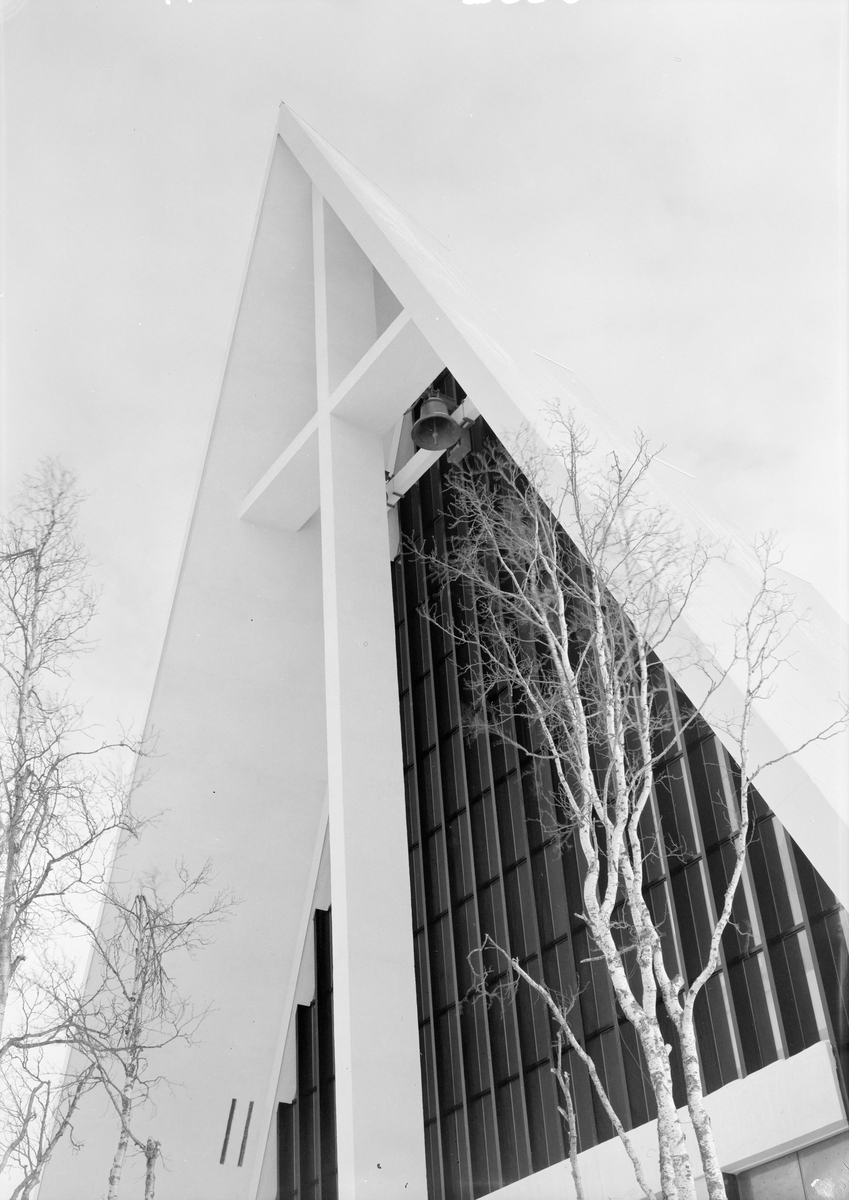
428, 1071
534, 1020
597, 1004
408, 736
504, 756
559, 975
447, 700
640, 1096
511, 819
492, 922
433, 1161
467, 942
417, 634
460, 857
453, 774
709, 790
545, 1125
660, 907
512, 1136
473, 1027
429, 791
503, 1039
286, 1163
817, 895
420, 960
738, 938
402, 655
436, 873
530, 774
830, 947
572, 867
521, 911
449, 1060
604, 1051
455, 1157
558, 902
770, 883
678, 835
714, 1036
484, 838
752, 1013
651, 846
486, 1176
411, 799
424, 714
439, 628
477, 765
441, 962
794, 1000
417, 887
693, 918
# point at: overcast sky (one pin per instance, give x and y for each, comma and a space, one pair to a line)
651, 192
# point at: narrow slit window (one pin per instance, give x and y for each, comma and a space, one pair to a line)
230, 1116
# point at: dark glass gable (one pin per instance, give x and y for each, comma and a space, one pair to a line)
482, 862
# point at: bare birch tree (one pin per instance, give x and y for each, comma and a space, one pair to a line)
37, 1106
568, 633
133, 1009
64, 795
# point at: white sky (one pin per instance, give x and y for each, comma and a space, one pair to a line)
651, 192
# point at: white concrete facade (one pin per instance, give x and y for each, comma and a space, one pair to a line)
276, 698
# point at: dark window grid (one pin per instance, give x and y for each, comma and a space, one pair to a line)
795, 1003
444, 993
717, 799
723, 1014
408, 736
605, 1049
287, 1151
773, 1040
433, 1160
309, 1150
440, 976
780, 898
450, 1155
817, 896
829, 937
552, 903
826, 1011
519, 1131
828, 934
430, 1085
485, 1151
402, 652
757, 1024
510, 810
560, 976
748, 889
743, 933
325, 1060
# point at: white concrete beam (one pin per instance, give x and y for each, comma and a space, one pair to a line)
379, 1122
287, 494
388, 378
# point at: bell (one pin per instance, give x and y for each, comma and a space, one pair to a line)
434, 429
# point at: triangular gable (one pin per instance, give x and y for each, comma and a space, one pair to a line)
514, 392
